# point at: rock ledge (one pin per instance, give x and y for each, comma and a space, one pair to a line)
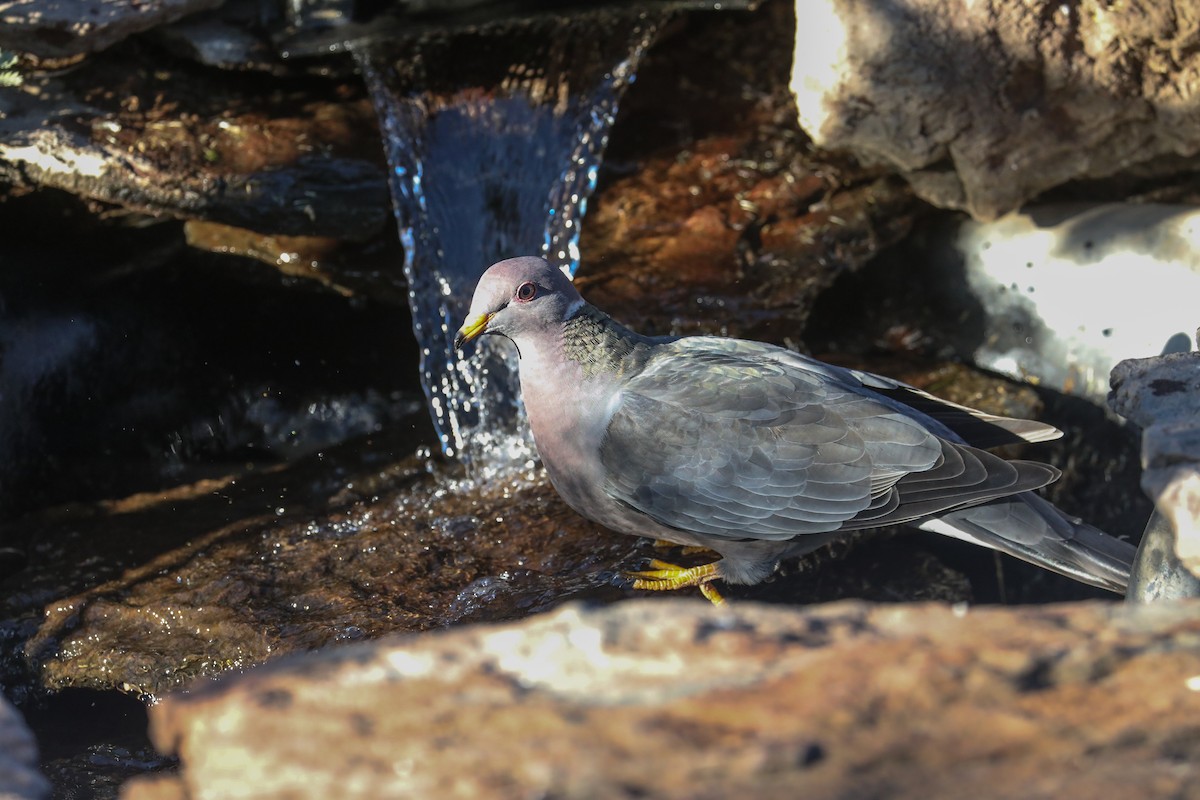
678, 699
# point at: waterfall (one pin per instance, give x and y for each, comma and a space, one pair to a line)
494, 137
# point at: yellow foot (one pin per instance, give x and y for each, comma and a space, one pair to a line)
663, 577
710, 591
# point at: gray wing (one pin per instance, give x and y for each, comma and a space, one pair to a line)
970, 425
725, 438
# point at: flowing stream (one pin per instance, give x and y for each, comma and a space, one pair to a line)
491, 157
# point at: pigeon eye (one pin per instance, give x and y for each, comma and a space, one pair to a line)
526, 292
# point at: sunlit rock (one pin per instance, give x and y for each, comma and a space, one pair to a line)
1058, 295
1162, 396
680, 700
1160, 571
19, 777
984, 106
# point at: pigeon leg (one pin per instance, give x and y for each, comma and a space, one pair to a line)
684, 549
663, 577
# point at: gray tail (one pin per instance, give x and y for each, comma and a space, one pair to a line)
1034, 530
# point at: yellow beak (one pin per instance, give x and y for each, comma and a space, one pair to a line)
471, 329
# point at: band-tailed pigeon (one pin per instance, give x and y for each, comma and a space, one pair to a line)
759, 453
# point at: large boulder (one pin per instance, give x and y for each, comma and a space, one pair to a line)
984, 105
683, 700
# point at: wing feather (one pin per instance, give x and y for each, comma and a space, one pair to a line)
713, 440
742, 440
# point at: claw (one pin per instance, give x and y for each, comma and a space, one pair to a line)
710, 591
663, 577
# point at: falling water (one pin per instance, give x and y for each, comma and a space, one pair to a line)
494, 140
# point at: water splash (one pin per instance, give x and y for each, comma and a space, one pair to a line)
489, 159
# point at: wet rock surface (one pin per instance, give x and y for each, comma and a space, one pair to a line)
728, 247
1053, 92
426, 553
235, 596
64, 28
681, 699
259, 152
92, 742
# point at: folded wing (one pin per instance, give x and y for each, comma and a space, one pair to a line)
751, 445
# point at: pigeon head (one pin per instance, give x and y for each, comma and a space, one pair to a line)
518, 298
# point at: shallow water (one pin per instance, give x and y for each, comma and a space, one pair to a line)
92, 742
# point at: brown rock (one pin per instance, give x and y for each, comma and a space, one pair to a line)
344, 267
728, 245
683, 700
986, 105
715, 204
279, 159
